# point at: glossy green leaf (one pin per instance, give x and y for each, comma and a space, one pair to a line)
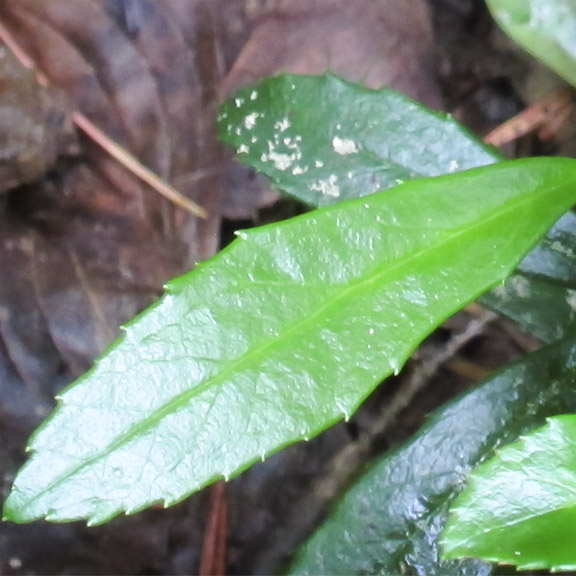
538, 306
554, 258
541, 295
396, 139
324, 140
391, 519
519, 507
545, 28
279, 336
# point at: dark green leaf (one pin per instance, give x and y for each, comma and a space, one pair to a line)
541, 296
324, 140
538, 306
520, 506
279, 336
545, 28
390, 521
554, 259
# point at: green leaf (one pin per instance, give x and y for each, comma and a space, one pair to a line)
520, 506
541, 296
554, 259
546, 29
279, 336
390, 521
324, 140
396, 139
538, 306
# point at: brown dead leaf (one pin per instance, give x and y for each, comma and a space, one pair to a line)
83, 250
373, 42
104, 242
89, 246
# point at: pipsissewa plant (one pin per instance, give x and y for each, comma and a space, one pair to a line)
519, 506
293, 325
382, 506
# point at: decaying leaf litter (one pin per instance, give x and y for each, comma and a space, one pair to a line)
93, 245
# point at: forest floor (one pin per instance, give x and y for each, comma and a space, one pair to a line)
84, 245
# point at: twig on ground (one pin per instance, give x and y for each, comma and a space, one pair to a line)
130, 162
214, 549
546, 117
135, 166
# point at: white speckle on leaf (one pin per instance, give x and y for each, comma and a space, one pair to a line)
281, 161
297, 170
253, 139
520, 285
243, 149
250, 120
453, 166
561, 249
318, 163
399, 181
253, 95
328, 186
282, 125
291, 143
238, 102
371, 331
344, 146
